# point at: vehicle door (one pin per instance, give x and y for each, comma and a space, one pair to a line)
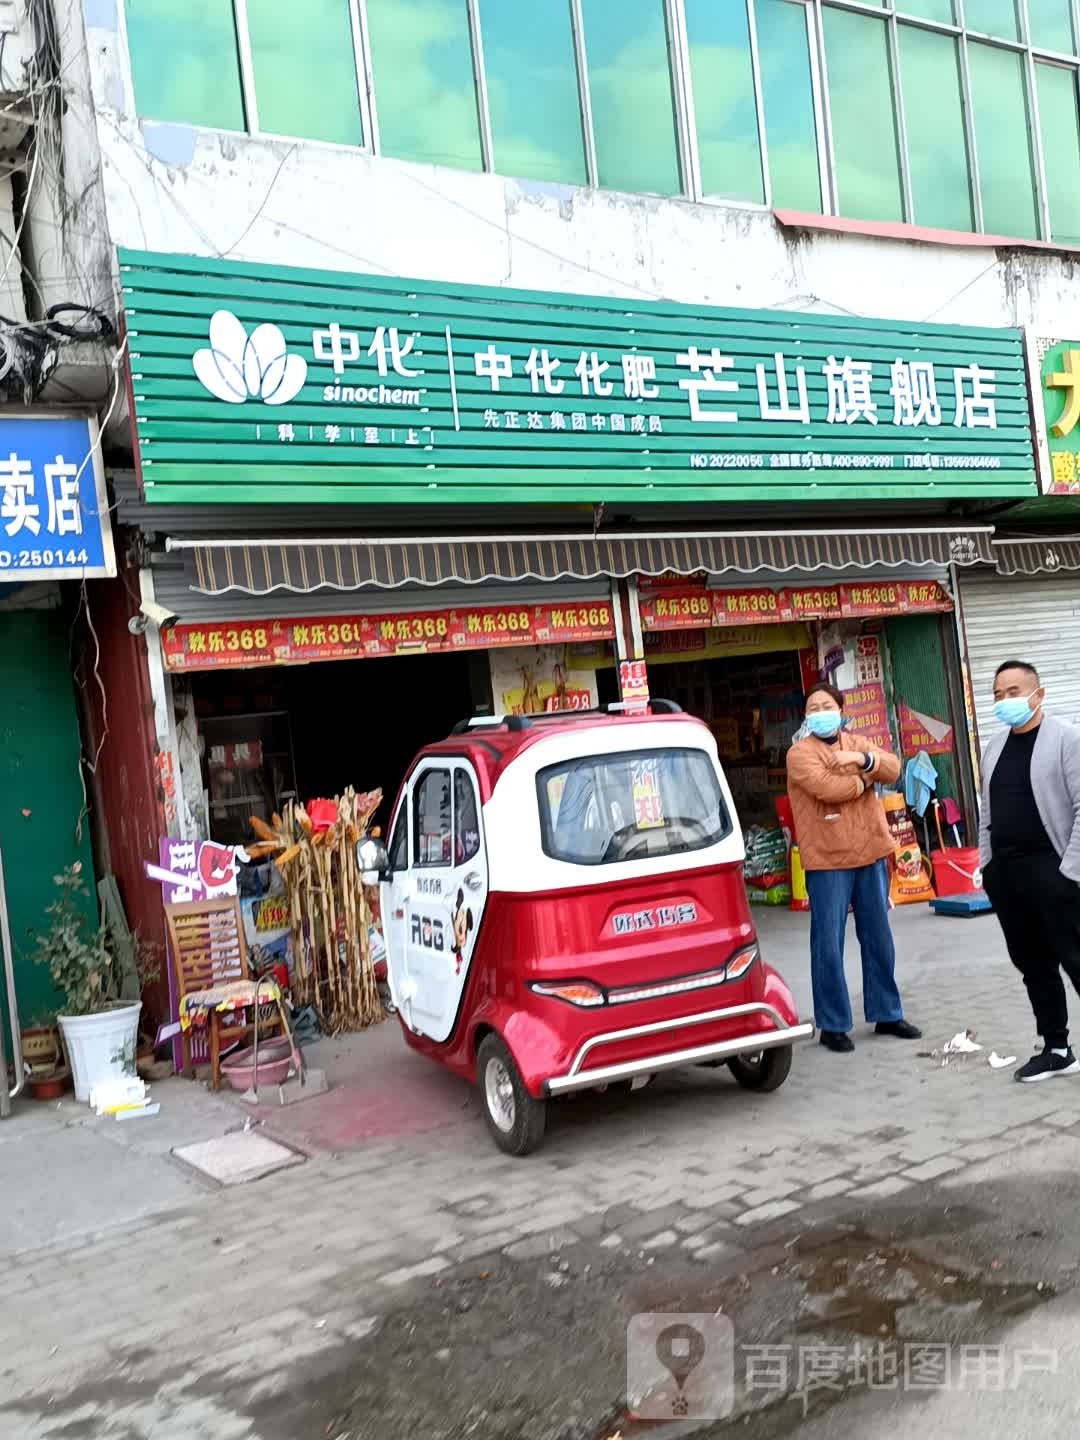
394, 895
447, 893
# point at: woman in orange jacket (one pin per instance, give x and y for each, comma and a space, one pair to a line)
843, 843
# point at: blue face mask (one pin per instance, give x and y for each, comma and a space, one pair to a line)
1014, 712
824, 723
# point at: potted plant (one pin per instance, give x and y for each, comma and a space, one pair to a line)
47, 1072
41, 1045
100, 1025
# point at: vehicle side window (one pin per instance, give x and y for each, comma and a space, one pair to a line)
466, 820
399, 841
431, 819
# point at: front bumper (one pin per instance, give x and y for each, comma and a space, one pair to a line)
578, 1079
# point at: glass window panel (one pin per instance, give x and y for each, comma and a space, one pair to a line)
788, 99
630, 85
1001, 141
431, 819
928, 9
466, 820
399, 844
1050, 25
934, 118
183, 62
306, 90
863, 120
633, 805
421, 56
723, 79
993, 17
1061, 146
532, 90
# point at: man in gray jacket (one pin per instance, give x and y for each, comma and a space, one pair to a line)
1029, 849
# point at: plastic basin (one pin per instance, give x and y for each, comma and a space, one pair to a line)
275, 1062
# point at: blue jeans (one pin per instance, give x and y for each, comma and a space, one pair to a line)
831, 892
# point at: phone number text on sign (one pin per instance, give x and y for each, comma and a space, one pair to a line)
39, 559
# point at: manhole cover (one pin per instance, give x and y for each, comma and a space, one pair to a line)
237, 1158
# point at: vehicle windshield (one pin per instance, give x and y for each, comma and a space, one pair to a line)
635, 805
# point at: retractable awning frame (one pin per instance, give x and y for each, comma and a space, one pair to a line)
264, 566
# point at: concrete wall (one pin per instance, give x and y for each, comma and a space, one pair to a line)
12, 296
64, 239
175, 188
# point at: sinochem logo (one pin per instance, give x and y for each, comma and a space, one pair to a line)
239, 366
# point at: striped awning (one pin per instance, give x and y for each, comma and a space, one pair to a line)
261, 567
1052, 556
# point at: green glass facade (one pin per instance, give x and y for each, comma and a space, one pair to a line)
915, 111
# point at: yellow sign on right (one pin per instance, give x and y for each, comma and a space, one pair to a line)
1060, 383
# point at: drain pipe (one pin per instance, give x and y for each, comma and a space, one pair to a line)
6, 1095
5, 1098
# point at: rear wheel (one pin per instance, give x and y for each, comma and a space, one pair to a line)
765, 1070
515, 1119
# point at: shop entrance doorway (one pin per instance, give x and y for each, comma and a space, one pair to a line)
305, 731
753, 706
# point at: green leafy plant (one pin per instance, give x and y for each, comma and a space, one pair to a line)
125, 1058
78, 955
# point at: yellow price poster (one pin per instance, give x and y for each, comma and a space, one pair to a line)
648, 804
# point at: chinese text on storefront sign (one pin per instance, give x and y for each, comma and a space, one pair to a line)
54, 514
700, 608
634, 684
462, 387
866, 715
923, 732
1060, 374
354, 637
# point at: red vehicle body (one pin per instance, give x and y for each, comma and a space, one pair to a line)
634, 953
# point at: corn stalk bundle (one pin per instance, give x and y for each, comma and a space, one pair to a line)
329, 909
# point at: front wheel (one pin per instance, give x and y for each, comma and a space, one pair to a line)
515, 1119
767, 1070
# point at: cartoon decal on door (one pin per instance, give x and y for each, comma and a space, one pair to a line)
437, 893
461, 923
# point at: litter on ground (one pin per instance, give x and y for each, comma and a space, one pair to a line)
999, 1062
962, 1043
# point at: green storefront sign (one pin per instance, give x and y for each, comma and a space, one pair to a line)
257, 383
1059, 370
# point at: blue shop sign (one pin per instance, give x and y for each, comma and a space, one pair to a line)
54, 514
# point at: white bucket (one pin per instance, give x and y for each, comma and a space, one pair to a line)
98, 1045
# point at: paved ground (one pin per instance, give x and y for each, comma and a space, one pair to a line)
140, 1302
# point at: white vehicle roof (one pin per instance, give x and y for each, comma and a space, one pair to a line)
516, 858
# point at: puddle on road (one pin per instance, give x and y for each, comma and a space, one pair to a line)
841, 1287
871, 1291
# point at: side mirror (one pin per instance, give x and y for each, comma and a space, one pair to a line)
373, 861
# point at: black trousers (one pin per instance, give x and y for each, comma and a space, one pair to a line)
1039, 912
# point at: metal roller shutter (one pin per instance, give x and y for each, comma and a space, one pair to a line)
1038, 620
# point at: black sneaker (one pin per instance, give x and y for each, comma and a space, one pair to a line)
836, 1040
1046, 1066
902, 1029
